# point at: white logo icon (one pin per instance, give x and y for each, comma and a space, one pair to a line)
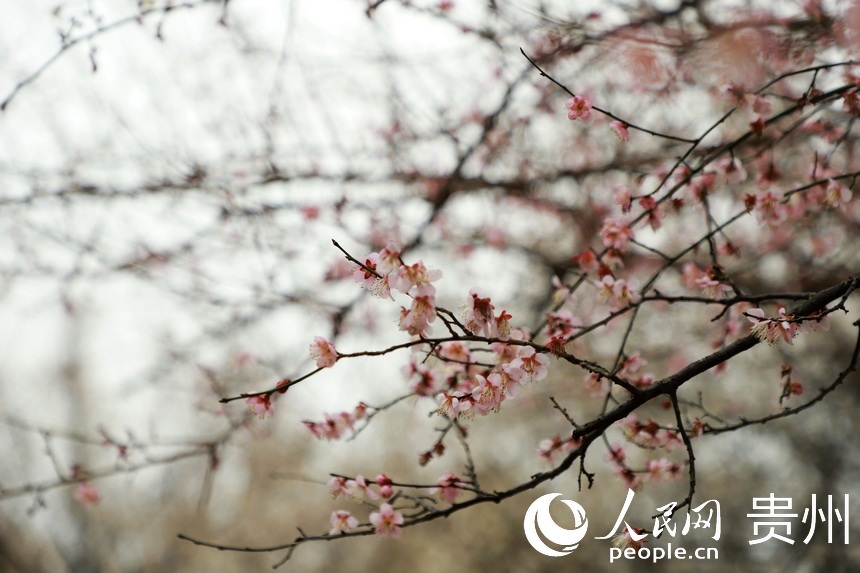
538, 518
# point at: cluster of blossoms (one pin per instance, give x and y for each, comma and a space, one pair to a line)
773, 331
334, 426
386, 521
587, 261
732, 170
653, 211
579, 107
630, 368
616, 233
261, 405
359, 488
450, 487
619, 293
831, 194
484, 393
479, 317
384, 271
707, 280
655, 469
561, 326
751, 103
649, 434
553, 448
768, 208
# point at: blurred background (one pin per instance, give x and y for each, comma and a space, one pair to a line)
172, 176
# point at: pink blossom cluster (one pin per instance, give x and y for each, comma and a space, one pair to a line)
751, 103
586, 261
385, 270
630, 367
649, 434
261, 405
653, 211
334, 426
553, 448
616, 233
450, 486
359, 488
484, 393
655, 469
386, 521
561, 326
833, 193
732, 170
423, 380
767, 207
773, 331
479, 317
706, 280
619, 293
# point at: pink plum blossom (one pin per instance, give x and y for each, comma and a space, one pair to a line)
323, 351
732, 169
632, 364
334, 425
261, 405
388, 260
773, 331
769, 209
341, 522
503, 325
453, 405
414, 278
653, 211
416, 321
364, 276
533, 365
615, 233
337, 486
456, 351
658, 469
386, 521
551, 448
479, 313
836, 193
578, 108
449, 486
623, 198
586, 261
620, 129
618, 292
359, 488
488, 394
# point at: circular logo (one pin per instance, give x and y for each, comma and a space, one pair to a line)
539, 519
